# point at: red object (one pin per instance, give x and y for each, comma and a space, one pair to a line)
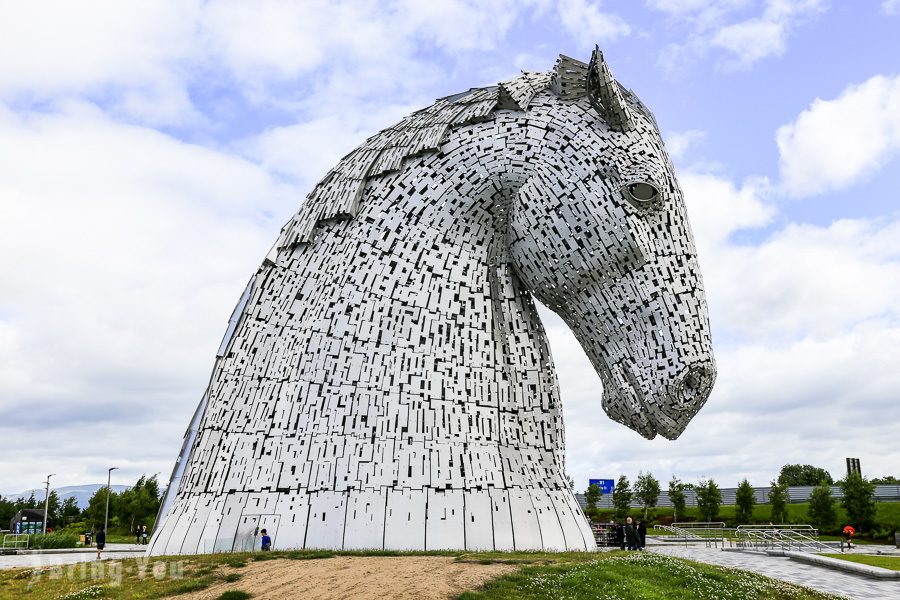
849, 531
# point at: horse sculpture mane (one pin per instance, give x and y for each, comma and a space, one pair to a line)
385, 380
338, 194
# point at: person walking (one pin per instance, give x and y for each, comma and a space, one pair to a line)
137, 535
642, 534
632, 541
848, 532
101, 541
144, 534
620, 536
266, 541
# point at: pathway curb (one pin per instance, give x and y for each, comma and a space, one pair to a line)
843, 565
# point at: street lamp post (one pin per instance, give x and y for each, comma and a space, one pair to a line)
108, 479
47, 499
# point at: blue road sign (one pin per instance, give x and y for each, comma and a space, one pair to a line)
605, 485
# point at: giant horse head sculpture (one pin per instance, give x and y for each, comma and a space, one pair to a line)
385, 380
623, 266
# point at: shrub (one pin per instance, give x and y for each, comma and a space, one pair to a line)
53, 540
234, 595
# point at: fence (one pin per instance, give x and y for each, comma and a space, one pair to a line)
883, 493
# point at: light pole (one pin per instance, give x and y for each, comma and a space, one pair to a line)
108, 478
47, 499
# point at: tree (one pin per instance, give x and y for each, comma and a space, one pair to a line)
591, 495
778, 499
803, 475
744, 501
96, 508
646, 488
53, 506
858, 501
676, 495
886, 480
708, 500
69, 510
139, 504
570, 482
622, 497
7, 512
821, 507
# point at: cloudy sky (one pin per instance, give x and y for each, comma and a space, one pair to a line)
150, 152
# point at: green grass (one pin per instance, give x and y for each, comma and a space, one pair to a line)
637, 576
885, 562
234, 595
541, 575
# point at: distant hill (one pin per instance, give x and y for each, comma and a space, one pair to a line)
82, 493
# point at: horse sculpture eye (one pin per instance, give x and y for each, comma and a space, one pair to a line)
641, 193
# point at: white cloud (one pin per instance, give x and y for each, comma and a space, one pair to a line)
124, 253
718, 208
144, 59
891, 7
758, 38
101, 47
723, 25
834, 143
679, 142
588, 24
752, 40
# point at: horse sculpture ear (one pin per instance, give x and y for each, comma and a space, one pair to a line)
605, 96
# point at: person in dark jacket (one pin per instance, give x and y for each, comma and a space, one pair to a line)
642, 534
632, 541
101, 541
620, 536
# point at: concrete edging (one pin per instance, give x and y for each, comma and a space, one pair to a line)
843, 565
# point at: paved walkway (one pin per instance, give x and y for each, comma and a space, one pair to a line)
776, 567
12, 561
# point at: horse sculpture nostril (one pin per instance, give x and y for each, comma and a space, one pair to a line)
693, 389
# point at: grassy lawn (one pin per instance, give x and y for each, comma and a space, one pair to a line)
543, 575
637, 576
885, 562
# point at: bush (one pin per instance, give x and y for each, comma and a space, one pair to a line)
53, 540
234, 595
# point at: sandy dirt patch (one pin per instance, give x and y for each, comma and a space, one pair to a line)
358, 577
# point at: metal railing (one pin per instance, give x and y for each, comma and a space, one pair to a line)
711, 533
803, 538
15, 540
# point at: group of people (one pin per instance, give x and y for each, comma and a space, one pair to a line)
628, 535
140, 534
